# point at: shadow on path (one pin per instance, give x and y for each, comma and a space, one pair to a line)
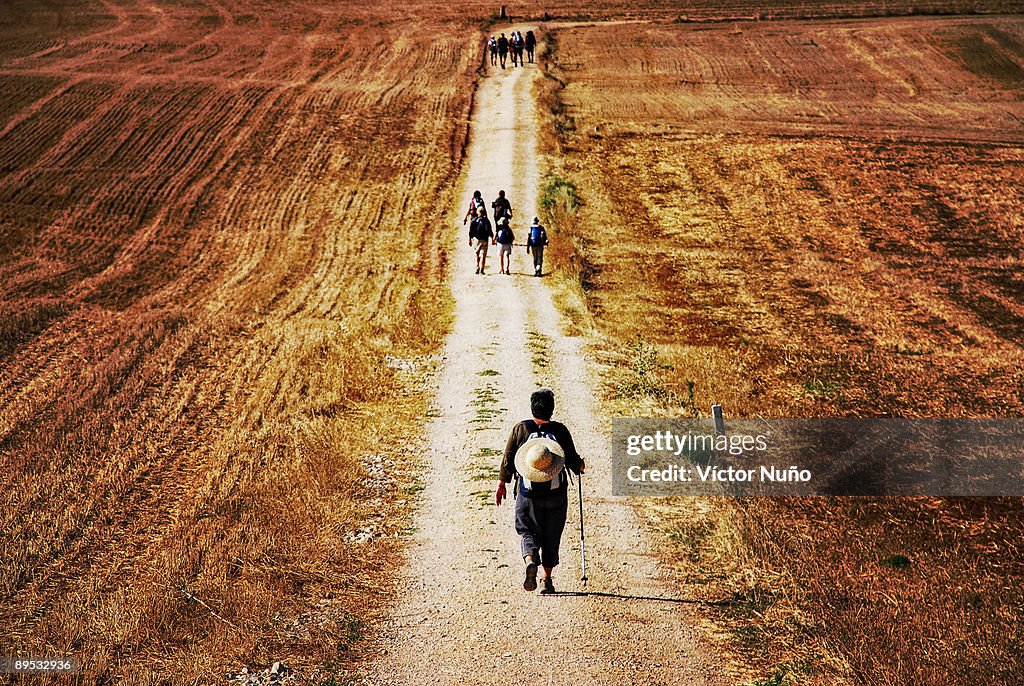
620, 596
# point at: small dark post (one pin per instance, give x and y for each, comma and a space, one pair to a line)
716, 413
504, 15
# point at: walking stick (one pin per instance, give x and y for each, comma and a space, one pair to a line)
583, 550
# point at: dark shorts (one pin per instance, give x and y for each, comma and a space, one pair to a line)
540, 522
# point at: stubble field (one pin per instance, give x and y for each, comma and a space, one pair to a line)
219, 264
805, 219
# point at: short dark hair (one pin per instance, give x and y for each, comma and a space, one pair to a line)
542, 404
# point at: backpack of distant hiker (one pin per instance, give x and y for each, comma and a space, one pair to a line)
479, 228
546, 488
504, 234
477, 204
538, 236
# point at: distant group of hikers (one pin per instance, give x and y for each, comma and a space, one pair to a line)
500, 47
482, 233
539, 457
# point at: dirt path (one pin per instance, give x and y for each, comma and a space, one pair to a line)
463, 616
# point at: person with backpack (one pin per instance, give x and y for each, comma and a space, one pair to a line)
537, 456
476, 204
502, 49
504, 237
516, 45
492, 48
501, 206
480, 236
531, 45
535, 243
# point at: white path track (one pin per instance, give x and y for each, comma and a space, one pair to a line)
462, 615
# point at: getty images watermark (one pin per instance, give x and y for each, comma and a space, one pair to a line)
784, 457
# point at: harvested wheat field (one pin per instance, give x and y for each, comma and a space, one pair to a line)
250, 401
219, 271
812, 218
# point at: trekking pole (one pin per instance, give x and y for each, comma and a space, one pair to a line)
583, 550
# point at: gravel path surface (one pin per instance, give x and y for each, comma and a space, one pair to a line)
462, 615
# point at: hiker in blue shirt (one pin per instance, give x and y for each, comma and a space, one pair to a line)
535, 244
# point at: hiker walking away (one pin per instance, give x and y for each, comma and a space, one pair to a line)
536, 456
492, 48
502, 49
531, 45
535, 243
516, 44
480, 236
476, 203
504, 237
501, 206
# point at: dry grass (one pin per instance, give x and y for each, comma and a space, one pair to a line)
786, 229
218, 304
219, 222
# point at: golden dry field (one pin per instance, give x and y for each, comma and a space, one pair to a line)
223, 261
221, 265
811, 218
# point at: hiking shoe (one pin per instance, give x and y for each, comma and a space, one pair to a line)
530, 582
549, 587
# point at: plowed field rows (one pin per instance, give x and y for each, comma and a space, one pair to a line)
804, 219
865, 245
217, 222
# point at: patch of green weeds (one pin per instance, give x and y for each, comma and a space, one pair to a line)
539, 346
558, 198
826, 386
351, 630
484, 497
778, 678
689, 538
483, 472
485, 402
641, 375
488, 372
